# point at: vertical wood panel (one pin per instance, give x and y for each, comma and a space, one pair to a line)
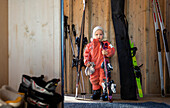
68, 49
34, 39
140, 56
146, 49
3, 42
88, 35
167, 25
57, 43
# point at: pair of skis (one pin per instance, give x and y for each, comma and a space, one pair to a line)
108, 87
80, 42
137, 70
156, 6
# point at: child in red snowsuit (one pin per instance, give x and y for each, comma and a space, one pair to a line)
94, 53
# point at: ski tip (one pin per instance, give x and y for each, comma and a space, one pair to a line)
110, 99
141, 96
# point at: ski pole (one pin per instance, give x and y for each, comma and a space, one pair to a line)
68, 30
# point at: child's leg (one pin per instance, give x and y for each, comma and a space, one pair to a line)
94, 79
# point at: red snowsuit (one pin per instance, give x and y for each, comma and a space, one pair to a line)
93, 53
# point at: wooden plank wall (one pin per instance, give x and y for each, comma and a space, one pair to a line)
34, 40
3, 42
141, 32
167, 17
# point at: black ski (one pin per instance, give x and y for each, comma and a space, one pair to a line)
127, 76
81, 41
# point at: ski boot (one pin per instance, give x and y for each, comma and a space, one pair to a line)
26, 83
41, 86
36, 102
45, 101
96, 94
43, 94
104, 96
113, 86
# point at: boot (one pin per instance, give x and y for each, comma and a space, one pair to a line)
104, 97
96, 94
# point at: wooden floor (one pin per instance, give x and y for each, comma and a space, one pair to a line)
69, 98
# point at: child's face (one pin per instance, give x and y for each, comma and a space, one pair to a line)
99, 35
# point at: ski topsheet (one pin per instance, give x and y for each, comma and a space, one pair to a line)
157, 33
136, 70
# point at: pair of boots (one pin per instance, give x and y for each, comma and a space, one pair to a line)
97, 93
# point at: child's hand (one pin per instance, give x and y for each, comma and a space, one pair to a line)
104, 52
88, 64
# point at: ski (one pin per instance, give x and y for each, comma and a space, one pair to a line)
127, 76
137, 70
163, 30
108, 87
81, 41
157, 34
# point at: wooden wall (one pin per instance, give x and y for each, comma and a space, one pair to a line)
3, 42
167, 16
34, 39
141, 32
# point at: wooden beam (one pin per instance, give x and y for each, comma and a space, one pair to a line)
3, 42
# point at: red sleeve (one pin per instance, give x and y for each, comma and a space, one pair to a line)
87, 55
110, 50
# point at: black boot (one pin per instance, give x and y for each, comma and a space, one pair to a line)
104, 97
96, 94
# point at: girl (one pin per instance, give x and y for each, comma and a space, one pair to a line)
94, 54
